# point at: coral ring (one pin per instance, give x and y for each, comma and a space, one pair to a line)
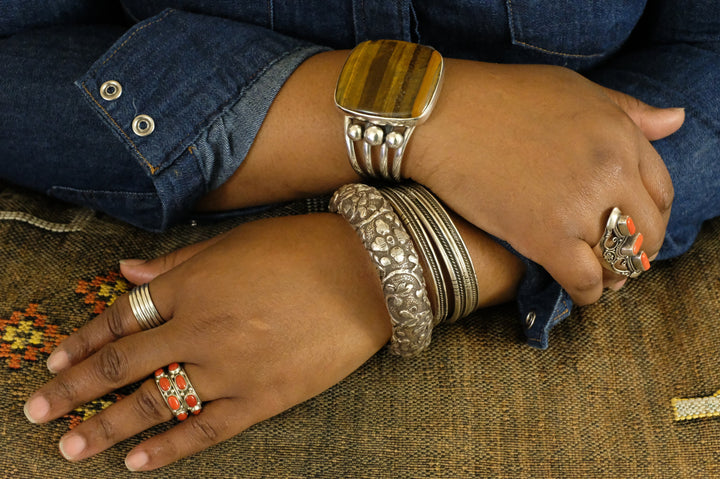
621, 245
177, 391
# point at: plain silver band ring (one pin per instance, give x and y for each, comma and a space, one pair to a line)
143, 308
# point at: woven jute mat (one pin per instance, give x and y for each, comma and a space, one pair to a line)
479, 403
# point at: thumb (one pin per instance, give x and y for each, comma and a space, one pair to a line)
655, 123
140, 271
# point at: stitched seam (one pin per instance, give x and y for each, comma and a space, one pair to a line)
130, 38
153, 169
561, 313
571, 55
544, 50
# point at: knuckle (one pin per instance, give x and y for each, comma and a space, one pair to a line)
587, 282
112, 364
666, 197
105, 428
204, 432
151, 407
66, 390
115, 323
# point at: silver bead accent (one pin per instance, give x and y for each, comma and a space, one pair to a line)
394, 139
374, 135
355, 132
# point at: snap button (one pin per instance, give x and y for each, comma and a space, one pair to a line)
111, 90
530, 319
143, 125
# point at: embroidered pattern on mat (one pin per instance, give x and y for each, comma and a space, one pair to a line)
86, 411
102, 291
696, 408
77, 223
26, 335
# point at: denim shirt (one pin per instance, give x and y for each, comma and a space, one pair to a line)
206, 72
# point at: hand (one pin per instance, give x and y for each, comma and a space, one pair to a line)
264, 317
538, 156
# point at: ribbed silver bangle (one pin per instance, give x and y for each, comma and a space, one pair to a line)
394, 256
458, 247
437, 289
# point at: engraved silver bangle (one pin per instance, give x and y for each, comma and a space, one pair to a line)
397, 262
436, 286
458, 248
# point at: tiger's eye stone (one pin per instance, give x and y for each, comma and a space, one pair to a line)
389, 78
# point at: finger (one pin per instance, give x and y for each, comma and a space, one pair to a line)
115, 322
116, 364
138, 412
220, 420
578, 271
655, 123
657, 181
649, 221
139, 271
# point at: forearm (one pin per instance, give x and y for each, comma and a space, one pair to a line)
299, 150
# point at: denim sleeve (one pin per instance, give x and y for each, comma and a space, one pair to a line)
191, 93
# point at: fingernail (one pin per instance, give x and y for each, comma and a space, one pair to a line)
136, 460
36, 409
132, 262
58, 361
72, 445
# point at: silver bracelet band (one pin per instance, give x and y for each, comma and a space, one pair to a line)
437, 287
458, 252
394, 256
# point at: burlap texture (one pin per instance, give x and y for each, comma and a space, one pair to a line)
479, 403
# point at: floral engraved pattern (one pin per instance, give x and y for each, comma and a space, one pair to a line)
396, 261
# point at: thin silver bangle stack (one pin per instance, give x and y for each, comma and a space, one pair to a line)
440, 243
393, 222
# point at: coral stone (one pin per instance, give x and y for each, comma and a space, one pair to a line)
191, 400
630, 225
180, 383
164, 384
174, 403
182, 416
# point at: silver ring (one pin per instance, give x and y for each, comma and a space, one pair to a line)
621, 245
177, 391
143, 308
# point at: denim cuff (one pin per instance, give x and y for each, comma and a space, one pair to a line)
207, 83
542, 302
